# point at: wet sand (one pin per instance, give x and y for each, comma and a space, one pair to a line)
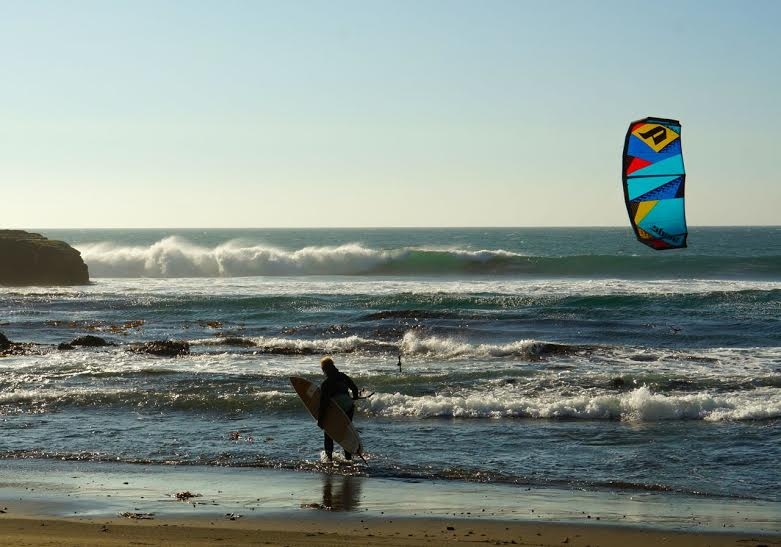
47, 502
345, 530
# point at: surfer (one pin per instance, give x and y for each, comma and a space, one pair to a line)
337, 386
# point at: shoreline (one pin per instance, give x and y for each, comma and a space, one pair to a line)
68, 503
340, 529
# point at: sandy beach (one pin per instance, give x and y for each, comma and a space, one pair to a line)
341, 530
87, 503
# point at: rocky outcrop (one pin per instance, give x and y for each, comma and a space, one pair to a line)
31, 259
88, 341
5, 343
164, 348
91, 341
18, 348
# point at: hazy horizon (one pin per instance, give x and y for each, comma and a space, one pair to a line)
249, 228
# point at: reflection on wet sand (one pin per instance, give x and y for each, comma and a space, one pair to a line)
341, 493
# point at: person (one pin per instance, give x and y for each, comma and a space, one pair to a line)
337, 387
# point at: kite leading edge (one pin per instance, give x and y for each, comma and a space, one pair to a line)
654, 181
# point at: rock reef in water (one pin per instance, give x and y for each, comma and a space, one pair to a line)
163, 348
31, 259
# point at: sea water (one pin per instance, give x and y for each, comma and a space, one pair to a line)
574, 358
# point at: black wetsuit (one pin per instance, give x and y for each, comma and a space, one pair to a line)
337, 386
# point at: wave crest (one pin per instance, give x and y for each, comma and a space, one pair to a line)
639, 405
175, 257
450, 348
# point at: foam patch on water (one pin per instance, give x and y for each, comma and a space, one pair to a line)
638, 405
413, 344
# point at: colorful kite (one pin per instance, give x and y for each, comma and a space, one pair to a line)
654, 181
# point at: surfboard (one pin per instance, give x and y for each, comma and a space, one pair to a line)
336, 423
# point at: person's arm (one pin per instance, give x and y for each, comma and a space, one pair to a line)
352, 386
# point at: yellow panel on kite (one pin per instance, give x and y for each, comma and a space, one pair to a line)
656, 136
643, 208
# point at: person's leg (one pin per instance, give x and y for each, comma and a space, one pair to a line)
328, 445
350, 412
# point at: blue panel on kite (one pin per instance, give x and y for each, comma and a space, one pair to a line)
654, 182
640, 186
671, 190
639, 149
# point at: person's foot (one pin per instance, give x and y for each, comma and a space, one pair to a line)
329, 456
348, 456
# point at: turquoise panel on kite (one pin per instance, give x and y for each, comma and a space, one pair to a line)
654, 182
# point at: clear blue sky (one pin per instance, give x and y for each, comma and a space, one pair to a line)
363, 113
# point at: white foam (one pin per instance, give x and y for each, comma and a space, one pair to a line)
639, 405
450, 348
176, 257
327, 345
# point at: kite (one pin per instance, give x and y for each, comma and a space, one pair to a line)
654, 181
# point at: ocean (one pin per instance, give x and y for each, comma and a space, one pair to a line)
572, 358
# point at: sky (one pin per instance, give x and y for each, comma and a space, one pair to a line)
134, 114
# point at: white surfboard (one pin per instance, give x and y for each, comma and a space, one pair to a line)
336, 423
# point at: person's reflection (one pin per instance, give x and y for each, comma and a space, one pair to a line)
345, 497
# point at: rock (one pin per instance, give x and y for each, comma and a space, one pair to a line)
31, 259
24, 348
64, 346
165, 348
237, 341
617, 383
4, 342
91, 341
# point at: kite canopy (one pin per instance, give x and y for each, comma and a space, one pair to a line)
654, 181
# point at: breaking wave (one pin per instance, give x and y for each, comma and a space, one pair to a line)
412, 344
638, 405
175, 257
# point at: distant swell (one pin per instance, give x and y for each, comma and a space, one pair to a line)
175, 257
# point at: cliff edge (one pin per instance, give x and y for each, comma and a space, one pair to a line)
31, 259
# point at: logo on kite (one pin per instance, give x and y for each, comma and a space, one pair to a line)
654, 181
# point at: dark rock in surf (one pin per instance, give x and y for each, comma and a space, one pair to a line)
8, 347
236, 341
31, 259
164, 348
64, 346
617, 383
90, 341
24, 348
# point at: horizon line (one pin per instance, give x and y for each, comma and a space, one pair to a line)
410, 227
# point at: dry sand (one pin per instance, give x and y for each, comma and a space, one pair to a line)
337, 529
